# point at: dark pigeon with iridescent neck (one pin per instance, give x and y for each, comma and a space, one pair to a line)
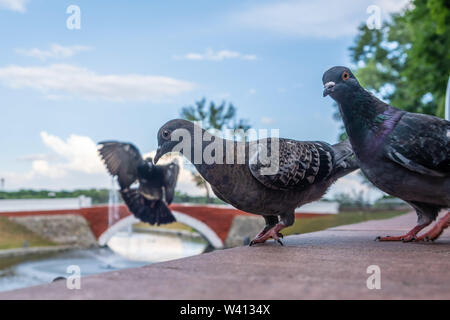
405, 154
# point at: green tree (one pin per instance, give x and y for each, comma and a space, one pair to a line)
215, 116
407, 61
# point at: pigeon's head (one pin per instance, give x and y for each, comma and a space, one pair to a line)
338, 81
170, 134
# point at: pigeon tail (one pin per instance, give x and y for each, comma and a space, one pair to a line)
342, 151
344, 159
159, 214
150, 211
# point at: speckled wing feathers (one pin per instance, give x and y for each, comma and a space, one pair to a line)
300, 164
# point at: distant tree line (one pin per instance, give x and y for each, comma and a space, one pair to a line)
98, 196
183, 197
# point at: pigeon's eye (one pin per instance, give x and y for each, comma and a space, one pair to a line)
166, 134
345, 75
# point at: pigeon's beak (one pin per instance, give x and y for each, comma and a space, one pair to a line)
158, 154
328, 88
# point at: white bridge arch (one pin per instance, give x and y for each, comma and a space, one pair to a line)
201, 227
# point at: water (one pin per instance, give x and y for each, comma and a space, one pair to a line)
125, 250
113, 200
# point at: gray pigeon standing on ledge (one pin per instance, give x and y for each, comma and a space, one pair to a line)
405, 154
305, 172
156, 183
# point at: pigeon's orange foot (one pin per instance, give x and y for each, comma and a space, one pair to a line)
405, 238
263, 231
273, 232
437, 229
410, 236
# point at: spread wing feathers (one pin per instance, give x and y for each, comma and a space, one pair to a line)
299, 164
121, 160
421, 143
170, 179
150, 211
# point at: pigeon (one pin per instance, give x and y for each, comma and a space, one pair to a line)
405, 154
149, 203
299, 171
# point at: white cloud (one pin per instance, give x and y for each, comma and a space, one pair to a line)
211, 55
320, 18
267, 120
74, 163
252, 91
79, 153
71, 163
62, 80
56, 51
14, 5
36, 156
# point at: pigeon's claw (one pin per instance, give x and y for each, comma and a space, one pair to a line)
405, 238
269, 232
408, 237
437, 229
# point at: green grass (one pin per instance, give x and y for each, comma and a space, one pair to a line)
172, 226
306, 225
13, 235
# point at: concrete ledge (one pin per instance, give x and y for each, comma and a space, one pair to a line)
328, 264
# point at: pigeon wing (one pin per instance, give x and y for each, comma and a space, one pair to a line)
421, 143
170, 179
300, 164
121, 160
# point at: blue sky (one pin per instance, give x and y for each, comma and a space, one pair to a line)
134, 64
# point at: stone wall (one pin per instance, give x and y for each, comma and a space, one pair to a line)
66, 229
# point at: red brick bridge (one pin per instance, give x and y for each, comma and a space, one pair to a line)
213, 222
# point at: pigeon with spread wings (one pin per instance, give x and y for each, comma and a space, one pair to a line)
149, 202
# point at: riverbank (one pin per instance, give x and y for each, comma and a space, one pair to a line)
330, 264
125, 250
28, 252
14, 235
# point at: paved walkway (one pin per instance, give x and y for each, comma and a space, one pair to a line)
321, 265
